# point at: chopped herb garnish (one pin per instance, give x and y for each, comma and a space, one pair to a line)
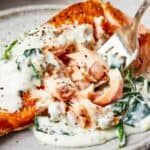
36, 123
121, 134
7, 52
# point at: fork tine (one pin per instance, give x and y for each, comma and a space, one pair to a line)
124, 43
108, 45
114, 46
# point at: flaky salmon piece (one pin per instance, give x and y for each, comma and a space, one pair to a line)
113, 19
84, 12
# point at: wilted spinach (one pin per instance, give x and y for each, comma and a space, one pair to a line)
29, 52
120, 107
132, 106
37, 73
50, 131
137, 110
36, 125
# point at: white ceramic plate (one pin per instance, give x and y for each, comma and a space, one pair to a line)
16, 21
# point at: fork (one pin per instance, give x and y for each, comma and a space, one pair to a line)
123, 47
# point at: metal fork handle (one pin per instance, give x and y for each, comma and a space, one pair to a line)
129, 32
140, 12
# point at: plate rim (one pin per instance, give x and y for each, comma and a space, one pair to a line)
23, 9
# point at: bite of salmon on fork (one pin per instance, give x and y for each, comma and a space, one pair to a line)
123, 46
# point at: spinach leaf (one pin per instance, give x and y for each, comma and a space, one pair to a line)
132, 106
36, 71
50, 131
7, 52
29, 52
120, 107
121, 134
141, 79
137, 111
64, 132
36, 124
18, 65
129, 81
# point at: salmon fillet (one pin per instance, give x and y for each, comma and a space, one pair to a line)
21, 119
114, 19
80, 13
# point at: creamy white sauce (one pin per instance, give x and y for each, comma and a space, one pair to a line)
80, 34
82, 137
64, 36
56, 110
145, 123
77, 136
10, 83
13, 80
106, 120
62, 134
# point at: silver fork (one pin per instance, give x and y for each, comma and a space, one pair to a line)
123, 48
